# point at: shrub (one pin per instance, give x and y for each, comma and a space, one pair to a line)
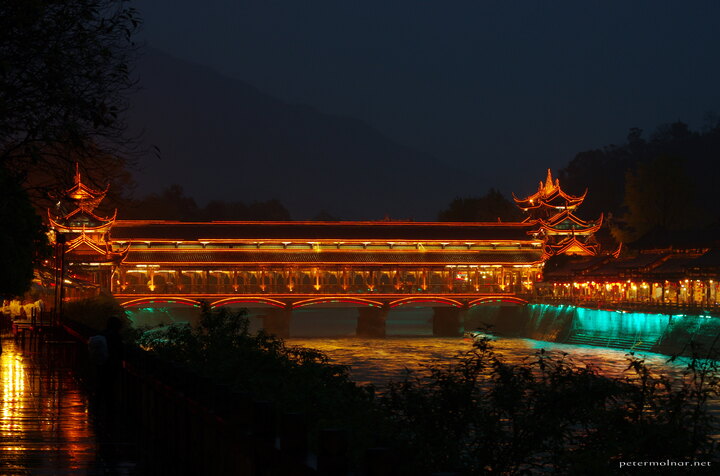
93, 313
549, 414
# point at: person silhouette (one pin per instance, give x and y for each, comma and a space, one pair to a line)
108, 371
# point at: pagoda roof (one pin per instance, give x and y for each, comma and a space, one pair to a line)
571, 245
195, 257
674, 266
84, 246
662, 239
87, 198
148, 230
82, 219
578, 265
550, 195
566, 221
711, 260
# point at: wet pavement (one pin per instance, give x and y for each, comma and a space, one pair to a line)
45, 423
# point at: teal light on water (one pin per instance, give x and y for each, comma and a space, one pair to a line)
614, 325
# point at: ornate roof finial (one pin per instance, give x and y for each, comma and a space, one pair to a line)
549, 187
77, 173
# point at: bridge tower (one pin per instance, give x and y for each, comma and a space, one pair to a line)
87, 249
554, 212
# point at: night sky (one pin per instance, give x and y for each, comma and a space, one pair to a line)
498, 91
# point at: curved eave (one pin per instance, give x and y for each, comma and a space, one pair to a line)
90, 214
533, 201
567, 214
545, 195
58, 227
80, 191
589, 250
572, 198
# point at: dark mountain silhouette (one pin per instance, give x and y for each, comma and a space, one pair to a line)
221, 138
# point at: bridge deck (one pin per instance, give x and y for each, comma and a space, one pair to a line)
299, 300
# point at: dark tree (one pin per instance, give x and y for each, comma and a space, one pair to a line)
659, 195
22, 238
492, 206
64, 73
173, 204
170, 204
324, 215
604, 172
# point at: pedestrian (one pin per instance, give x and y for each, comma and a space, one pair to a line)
106, 353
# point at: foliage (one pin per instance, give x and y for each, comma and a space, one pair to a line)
480, 415
93, 313
298, 379
22, 240
492, 206
640, 184
549, 415
65, 69
659, 195
173, 204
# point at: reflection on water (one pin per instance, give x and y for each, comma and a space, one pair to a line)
379, 361
44, 426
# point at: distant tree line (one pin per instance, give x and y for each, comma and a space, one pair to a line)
173, 204
662, 184
492, 206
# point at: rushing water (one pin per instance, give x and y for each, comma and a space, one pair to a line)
379, 361
588, 335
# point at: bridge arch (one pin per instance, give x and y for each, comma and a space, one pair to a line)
425, 299
496, 299
248, 300
160, 300
337, 299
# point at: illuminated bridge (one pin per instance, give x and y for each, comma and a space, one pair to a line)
280, 266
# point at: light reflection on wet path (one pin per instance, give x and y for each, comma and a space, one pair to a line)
44, 423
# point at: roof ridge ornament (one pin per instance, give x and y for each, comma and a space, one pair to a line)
549, 185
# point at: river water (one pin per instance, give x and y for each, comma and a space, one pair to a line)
379, 361
526, 330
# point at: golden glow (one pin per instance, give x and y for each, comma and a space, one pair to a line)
32, 415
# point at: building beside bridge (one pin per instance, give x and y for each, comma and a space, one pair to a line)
373, 264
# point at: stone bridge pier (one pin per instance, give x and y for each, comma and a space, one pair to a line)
371, 322
448, 321
277, 321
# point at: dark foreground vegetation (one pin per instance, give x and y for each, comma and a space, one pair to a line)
478, 416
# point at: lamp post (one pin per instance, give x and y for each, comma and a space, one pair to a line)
60, 240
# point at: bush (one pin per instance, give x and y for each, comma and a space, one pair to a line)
550, 415
93, 313
298, 379
480, 415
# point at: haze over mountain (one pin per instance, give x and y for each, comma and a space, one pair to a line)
221, 138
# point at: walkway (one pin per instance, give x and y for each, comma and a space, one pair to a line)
45, 426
